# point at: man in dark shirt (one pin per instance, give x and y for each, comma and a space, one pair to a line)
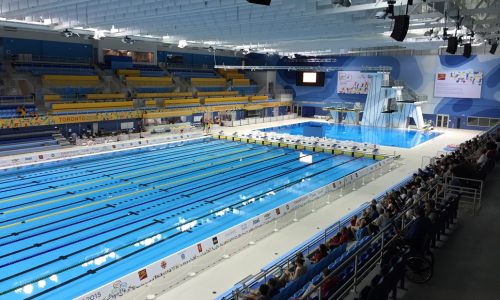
418, 230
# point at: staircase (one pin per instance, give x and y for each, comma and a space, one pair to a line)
112, 84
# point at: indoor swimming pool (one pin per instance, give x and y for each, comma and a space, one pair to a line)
393, 137
73, 226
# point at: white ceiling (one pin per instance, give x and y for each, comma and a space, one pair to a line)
287, 26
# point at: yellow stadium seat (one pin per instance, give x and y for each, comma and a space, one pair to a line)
208, 81
91, 105
163, 95
179, 102
150, 102
149, 81
230, 76
241, 82
70, 80
258, 98
52, 97
217, 94
106, 96
226, 100
125, 72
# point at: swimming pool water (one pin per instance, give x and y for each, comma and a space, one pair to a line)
394, 137
71, 227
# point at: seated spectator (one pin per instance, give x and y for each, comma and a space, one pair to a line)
294, 272
335, 241
418, 230
362, 231
23, 112
354, 219
329, 283
320, 253
381, 222
273, 287
374, 212
344, 235
263, 293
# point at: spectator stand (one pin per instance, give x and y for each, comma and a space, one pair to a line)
366, 257
308, 247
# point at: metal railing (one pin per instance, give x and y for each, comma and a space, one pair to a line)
361, 270
470, 191
17, 100
276, 267
259, 120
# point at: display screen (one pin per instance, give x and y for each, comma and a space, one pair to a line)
352, 82
458, 84
310, 78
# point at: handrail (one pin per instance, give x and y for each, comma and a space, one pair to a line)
381, 235
470, 192
285, 259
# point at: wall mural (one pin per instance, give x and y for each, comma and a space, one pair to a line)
420, 76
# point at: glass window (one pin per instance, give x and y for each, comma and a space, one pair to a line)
484, 122
472, 121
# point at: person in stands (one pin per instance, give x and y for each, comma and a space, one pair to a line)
262, 294
294, 272
418, 231
335, 241
320, 253
273, 287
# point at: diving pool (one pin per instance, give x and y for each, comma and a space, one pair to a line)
393, 137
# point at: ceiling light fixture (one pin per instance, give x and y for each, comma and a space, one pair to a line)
128, 40
344, 3
260, 2
182, 44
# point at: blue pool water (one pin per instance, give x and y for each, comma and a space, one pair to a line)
58, 222
393, 137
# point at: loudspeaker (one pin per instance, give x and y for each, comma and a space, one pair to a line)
401, 24
467, 50
452, 45
493, 48
261, 2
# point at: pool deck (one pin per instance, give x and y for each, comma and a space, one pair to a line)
219, 278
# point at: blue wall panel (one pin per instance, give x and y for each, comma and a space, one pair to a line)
418, 72
14, 46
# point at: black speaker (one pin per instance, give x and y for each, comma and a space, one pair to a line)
401, 24
493, 48
452, 45
467, 50
261, 2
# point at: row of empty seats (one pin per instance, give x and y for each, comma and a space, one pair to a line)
88, 106
38, 69
95, 97
26, 141
190, 73
141, 72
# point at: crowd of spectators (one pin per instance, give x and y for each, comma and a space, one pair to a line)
424, 211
